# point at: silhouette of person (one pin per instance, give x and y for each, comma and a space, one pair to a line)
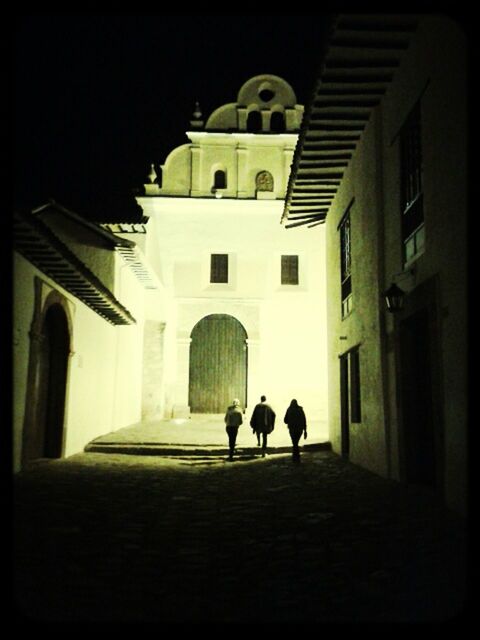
233, 419
262, 422
297, 424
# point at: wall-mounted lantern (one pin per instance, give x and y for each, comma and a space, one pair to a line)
394, 295
394, 298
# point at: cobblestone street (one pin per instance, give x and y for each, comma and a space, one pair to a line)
113, 537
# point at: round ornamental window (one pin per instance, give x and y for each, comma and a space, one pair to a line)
266, 94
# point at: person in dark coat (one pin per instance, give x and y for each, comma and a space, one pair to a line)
262, 422
297, 424
233, 419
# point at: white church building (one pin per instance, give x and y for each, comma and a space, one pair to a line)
247, 311
209, 298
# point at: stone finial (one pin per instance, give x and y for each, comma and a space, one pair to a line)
152, 188
197, 121
152, 176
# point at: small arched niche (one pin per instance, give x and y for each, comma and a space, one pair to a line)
254, 121
264, 184
277, 122
220, 179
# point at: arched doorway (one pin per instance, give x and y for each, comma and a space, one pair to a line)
53, 383
218, 364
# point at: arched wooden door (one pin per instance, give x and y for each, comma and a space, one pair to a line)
218, 364
53, 380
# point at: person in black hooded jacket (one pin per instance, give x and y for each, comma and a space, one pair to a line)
297, 424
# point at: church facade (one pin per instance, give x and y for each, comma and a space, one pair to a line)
246, 309
209, 298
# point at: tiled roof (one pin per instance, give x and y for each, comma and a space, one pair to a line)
359, 61
40, 246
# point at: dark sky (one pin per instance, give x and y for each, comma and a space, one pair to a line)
97, 98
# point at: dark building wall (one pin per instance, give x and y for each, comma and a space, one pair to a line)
361, 328
433, 72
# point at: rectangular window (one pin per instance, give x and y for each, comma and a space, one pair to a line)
411, 186
355, 405
219, 267
289, 270
345, 265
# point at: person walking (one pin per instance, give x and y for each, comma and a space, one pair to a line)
262, 422
297, 424
233, 420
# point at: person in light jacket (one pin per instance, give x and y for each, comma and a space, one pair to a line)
262, 422
297, 424
233, 420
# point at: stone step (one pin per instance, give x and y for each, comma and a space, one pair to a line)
155, 449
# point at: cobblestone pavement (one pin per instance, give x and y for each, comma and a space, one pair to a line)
196, 539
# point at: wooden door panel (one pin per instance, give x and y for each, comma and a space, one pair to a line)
218, 362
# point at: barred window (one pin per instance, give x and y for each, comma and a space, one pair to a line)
219, 267
289, 270
345, 265
413, 233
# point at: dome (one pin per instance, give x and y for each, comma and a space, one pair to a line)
265, 104
266, 90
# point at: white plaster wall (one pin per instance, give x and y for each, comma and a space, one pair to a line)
91, 381
288, 321
104, 374
128, 349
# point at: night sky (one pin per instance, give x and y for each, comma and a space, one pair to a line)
98, 98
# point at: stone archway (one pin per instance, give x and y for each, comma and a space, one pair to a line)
218, 364
50, 349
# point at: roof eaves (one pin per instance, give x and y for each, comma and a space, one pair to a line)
111, 238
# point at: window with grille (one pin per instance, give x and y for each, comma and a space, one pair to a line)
413, 232
219, 267
289, 270
345, 265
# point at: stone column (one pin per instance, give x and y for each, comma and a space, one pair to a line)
242, 187
253, 373
181, 408
266, 116
290, 119
152, 382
